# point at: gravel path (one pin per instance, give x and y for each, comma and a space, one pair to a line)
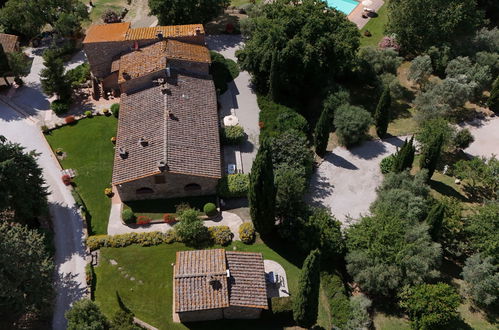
486, 134
69, 239
346, 181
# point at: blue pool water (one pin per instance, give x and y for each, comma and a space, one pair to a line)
345, 6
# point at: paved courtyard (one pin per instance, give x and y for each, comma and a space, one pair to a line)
346, 180
486, 134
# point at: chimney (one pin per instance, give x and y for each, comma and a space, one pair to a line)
136, 45
198, 31
162, 166
159, 34
143, 142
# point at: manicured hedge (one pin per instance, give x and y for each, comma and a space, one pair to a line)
60, 106
220, 235
143, 239
233, 186
128, 216
247, 233
232, 135
337, 296
210, 209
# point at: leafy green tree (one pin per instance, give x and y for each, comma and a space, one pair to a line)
431, 155
435, 220
478, 77
4, 65
301, 47
463, 139
382, 114
29, 17
481, 175
321, 133
387, 252
86, 315
493, 101
430, 306
420, 70
481, 277
175, 12
27, 269
306, 302
332, 102
191, 229
262, 191
404, 157
360, 318
19, 64
123, 320
352, 124
291, 149
379, 60
324, 233
53, 79
440, 57
420, 24
22, 187
291, 186
482, 229
439, 126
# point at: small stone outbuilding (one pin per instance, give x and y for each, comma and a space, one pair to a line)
218, 284
9, 42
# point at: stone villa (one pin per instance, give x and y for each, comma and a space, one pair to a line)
216, 284
168, 132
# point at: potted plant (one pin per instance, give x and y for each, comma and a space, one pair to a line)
108, 192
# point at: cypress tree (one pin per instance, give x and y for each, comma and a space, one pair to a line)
431, 155
262, 191
493, 101
306, 301
435, 219
404, 157
53, 78
273, 78
4, 65
382, 114
321, 134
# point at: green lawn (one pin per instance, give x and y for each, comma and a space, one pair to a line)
151, 299
100, 7
376, 26
90, 152
155, 208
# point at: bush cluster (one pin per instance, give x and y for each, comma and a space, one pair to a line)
220, 235
210, 209
143, 220
143, 239
115, 109
79, 75
386, 164
60, 106
128, 216
88, 114
169, 218
232, 135
233, 186
247, 233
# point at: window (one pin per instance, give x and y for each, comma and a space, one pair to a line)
159, 179
144, 190
192, 187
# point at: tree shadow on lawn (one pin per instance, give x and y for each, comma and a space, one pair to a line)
446, 190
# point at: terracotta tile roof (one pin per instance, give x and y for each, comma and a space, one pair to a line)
247, 285
200, 280
171, 31
9, 42
189, 52
187, 139
106, 32
142, 62
194, 270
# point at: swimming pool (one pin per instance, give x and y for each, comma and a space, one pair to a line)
345, 6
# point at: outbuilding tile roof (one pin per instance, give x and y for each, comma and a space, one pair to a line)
247, 285
189, 52
8, 42
107, 32
180, 125
142, 62
171, 31
201, 282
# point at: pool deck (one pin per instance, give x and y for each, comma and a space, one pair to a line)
356, 15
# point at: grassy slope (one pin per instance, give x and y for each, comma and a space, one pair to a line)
90, 152
376, 26
152, 300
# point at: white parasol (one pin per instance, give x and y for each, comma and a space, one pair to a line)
367, 3
231, 120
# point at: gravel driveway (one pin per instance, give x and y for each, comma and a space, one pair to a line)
347, 179
69, 240
486, 134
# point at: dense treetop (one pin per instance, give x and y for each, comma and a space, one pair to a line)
172, 12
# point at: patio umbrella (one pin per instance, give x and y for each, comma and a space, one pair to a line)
367, 3
230, 120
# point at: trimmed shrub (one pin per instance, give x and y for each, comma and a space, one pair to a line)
221, 235
128, 216
108, 192
233, 186
386, 164
281, 304
143, 239
88, 114
232, 135
210, 209
70, 120
337, 297
115, 109
79, 75
275, 119
247, 233
143, 220
60, 106
463, 139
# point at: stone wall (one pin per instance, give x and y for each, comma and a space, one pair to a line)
206, 315
187, 66
239, 312
173, 186
141, 83
101, 54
